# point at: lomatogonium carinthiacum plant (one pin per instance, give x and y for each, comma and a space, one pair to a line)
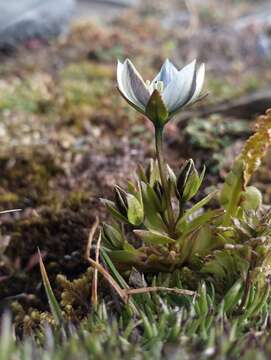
169, 92
146, 208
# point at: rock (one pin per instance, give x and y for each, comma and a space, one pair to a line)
118, 2
245, 107
25, 20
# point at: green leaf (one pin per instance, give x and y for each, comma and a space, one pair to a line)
207, 217
198, 206
183, 176
202, 301
54, 306
233, 296
154, 174
123, 256
112, 237
117, 276
114, 212
251, 198
231, 191
153, 220
261, 301
196, 242
135, 212
153, 238
153, 198
129, 247
193, 184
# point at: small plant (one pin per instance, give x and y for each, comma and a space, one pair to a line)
155, 228
245, 227
152, 228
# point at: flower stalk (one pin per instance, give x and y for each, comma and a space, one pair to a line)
164, 179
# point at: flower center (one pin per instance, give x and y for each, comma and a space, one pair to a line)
159, 86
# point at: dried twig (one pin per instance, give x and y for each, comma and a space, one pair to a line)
9, 211
98, 267
90, 237
123, 293
110, 279
159, 288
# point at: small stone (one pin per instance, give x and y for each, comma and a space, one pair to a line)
28, 20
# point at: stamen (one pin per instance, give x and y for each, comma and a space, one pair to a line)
159, 85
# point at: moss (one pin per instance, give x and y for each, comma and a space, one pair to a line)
8, 199
83, 85
234, 86
31, 94
29, 321
58, 233
61, 236
86, 70
77, 199
76, 294
26, 178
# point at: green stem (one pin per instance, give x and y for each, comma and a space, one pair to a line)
163, 175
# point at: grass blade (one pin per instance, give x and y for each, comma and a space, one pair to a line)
54, 306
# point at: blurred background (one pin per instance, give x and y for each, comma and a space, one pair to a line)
66, 136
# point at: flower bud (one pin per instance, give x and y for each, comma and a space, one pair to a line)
129, 206
183, 176
188, 181
121, 200
159, 192
156, 110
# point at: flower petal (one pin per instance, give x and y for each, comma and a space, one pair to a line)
137, 84
124, 85
199, 84
178, 91
166, 74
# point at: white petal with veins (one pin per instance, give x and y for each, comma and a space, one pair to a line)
178, 90
166, 74
124, 84
199, 83
138, 85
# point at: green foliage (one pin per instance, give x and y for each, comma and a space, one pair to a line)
257, 145
246, 250
142, 237
231, 192
215, 134
196, 328
54, 306
226, 244
31, 95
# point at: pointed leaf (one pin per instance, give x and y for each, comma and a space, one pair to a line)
114, 212
54, 306
135, 212
153, 238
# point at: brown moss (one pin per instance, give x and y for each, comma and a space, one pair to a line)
60, 235
26, 178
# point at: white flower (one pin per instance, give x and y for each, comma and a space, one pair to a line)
169, 91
